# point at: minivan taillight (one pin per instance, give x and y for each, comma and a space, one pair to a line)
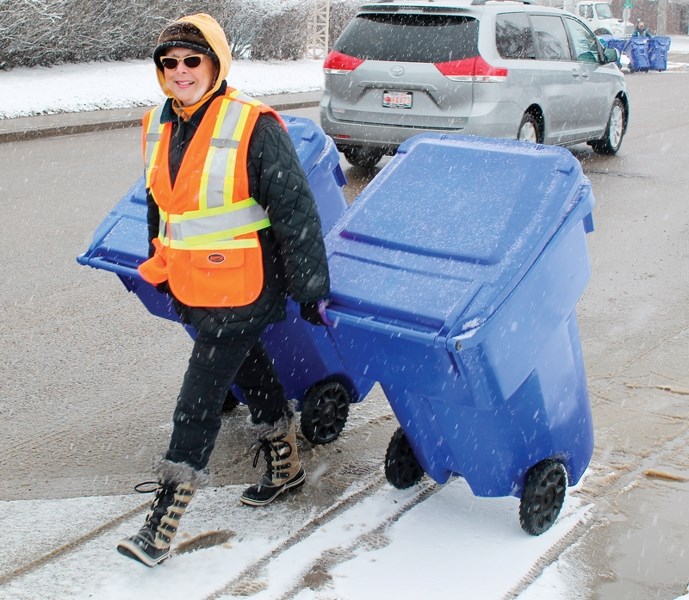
337, 63
472, 70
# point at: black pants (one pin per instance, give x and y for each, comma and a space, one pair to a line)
222, 356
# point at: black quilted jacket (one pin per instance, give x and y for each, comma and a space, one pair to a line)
293, 250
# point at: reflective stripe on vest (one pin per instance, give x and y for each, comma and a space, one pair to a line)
152, 140
214, 229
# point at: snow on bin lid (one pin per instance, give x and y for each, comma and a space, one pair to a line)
448, 228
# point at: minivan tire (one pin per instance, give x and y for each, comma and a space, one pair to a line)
614, 132
362, 157
530, 130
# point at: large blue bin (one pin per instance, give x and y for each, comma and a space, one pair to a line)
455, 276
308, 363
638, 51
658, 47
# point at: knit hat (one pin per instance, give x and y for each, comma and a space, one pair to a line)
182, 34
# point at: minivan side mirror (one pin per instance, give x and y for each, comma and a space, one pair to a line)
611, 55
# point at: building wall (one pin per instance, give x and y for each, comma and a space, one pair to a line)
677, 15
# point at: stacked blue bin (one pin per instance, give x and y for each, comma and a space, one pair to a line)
658, 48
308, 363
455, 279
638, 52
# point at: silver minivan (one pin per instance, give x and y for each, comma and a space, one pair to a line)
493, 68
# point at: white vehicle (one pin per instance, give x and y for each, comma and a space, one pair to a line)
598, 16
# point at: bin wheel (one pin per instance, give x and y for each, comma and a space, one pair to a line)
231, 402
324, 412
402, 469
614, 132
542, 497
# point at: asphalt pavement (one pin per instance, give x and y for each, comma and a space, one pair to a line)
30, 128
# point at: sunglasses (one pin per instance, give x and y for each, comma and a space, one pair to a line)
192, 61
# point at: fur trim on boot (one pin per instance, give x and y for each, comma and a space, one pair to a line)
261, 430
172, 472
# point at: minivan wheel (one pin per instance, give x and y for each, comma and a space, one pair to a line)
529, 129
362, 157
614, 132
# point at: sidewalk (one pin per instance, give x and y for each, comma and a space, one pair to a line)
30, 128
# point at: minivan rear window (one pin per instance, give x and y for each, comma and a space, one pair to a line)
410, 38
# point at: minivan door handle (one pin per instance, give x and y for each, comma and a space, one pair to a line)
575, 72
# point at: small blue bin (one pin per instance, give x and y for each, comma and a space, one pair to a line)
619, 44
307, 362
658, 47
455, 276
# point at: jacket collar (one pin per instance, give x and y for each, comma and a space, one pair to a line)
169, 116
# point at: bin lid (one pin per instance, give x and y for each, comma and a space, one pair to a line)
448, 228
308, 139
120, 242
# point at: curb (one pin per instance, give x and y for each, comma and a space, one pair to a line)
41, 126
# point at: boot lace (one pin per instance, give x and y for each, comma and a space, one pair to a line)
164, 496
281, 449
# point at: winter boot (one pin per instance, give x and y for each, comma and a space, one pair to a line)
152, 544
284, 471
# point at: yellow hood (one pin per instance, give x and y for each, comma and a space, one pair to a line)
217, 40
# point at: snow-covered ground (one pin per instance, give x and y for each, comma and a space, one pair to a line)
105, 85
426, 542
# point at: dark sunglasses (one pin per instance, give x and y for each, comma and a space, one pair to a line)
192, 61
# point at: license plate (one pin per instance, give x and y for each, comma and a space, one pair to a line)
397, 99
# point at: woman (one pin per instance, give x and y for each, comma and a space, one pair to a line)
233, 230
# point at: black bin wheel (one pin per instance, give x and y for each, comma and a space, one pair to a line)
542, 497
402, 469
324, 412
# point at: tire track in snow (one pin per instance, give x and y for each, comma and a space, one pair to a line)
367, 471
250, 580
374, 537
37, 563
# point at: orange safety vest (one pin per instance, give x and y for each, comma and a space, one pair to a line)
207, 247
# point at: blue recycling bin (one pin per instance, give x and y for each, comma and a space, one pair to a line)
658, 47
638, 52
455, 276
309, 365
619, 44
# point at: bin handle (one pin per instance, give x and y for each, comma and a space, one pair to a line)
104, 265
394, 331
